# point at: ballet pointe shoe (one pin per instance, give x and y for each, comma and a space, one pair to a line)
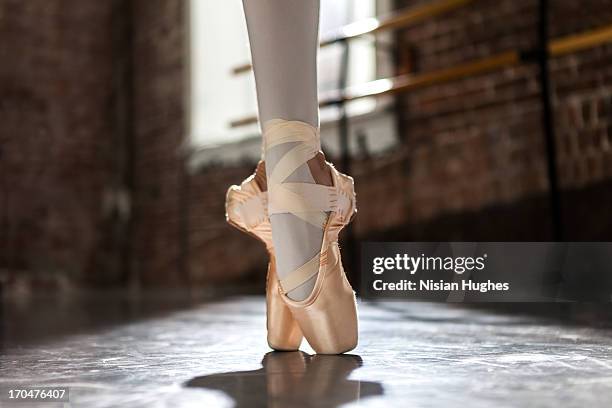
246, 210
328, 315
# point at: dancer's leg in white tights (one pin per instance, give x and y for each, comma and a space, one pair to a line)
283, 35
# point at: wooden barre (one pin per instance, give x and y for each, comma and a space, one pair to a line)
369, 26
403, 83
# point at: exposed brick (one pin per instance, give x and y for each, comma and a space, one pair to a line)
472, 163
55, 145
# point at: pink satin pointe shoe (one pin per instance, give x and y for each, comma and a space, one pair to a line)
246, 210
328, 315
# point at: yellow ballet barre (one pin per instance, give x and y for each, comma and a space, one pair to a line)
403, 83
368, 26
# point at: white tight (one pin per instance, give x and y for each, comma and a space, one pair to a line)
283, 35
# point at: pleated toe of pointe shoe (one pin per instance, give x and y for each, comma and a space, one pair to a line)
245, 209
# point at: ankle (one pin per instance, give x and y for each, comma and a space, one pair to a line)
260, 176
318, 167
320, 170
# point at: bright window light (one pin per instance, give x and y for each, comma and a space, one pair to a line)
219, 42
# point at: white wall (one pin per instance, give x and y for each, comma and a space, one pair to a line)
219, 42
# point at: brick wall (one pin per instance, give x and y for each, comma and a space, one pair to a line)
180, 234
57, 146
92, 182
475, 146
158, 133
92, 174
472, 165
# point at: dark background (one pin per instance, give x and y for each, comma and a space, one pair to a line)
94, 188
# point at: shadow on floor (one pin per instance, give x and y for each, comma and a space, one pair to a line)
293, 379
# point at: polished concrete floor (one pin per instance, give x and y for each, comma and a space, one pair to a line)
168, 353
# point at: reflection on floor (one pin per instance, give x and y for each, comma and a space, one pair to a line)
293, 379
215, 355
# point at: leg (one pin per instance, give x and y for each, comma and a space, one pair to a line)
283, 35
284, 41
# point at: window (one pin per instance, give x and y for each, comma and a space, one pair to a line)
219, 42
